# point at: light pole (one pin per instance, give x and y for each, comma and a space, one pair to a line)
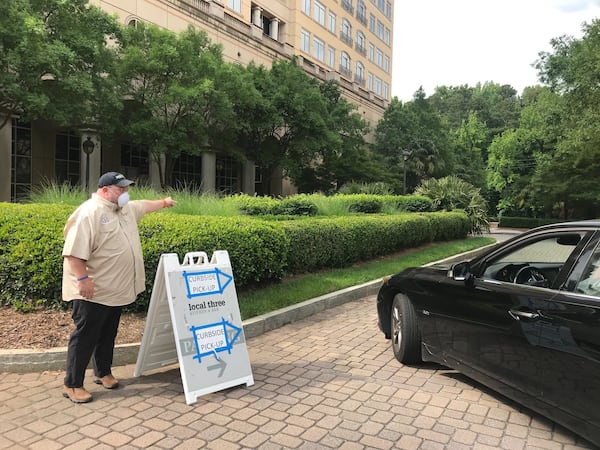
88, 147
405, 157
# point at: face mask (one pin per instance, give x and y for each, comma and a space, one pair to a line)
123, 199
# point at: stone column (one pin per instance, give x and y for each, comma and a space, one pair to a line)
209, 172
274, 28
257, 16
248, 180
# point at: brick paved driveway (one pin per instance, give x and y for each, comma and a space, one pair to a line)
329, 381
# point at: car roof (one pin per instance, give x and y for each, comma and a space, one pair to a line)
592, 223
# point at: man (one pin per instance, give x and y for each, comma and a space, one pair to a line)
103, 271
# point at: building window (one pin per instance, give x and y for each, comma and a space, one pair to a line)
306, 7
20, 179
359, 75
331, 57
361, 12
372, 23
388, 10
187, 172
386, 63
319, 13
345, 65
305, 41
67, 158
379, 58
371, 52
332, 23
346, 34
370, 81
236, 5
381, 5
319, 49
226, 176
388, 36
135, 161
347, 5
361, 43
377, 86
386, 91
380, 30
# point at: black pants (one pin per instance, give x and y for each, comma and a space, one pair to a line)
94, 337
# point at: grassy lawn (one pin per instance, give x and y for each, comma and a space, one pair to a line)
300, 288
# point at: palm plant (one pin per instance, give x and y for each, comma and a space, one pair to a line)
450, 193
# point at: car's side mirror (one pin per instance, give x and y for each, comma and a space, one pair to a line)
461, 272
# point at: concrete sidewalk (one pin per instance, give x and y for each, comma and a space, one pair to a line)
329, 381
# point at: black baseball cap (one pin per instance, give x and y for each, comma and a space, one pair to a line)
114, 179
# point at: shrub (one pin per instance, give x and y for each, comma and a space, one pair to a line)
451, 193
376, 188
295, 205
31, 241
367, 205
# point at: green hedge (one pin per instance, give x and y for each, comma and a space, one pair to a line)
525, 222
31, 241
337, 242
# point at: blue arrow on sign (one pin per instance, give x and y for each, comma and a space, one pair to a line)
208, 282
213, 338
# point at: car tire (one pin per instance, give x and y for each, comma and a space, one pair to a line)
406, 337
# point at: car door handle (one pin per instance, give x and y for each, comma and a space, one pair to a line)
518, 315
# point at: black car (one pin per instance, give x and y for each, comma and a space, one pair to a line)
522, 319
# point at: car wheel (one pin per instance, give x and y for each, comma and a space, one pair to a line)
406, 338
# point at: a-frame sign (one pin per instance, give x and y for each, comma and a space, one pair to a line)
194, 319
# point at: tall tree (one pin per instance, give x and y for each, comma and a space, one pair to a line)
296, 125
344, 157
174, 86
57, 59
413, 139
572, 71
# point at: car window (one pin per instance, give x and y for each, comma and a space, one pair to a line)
535, 263
589, 283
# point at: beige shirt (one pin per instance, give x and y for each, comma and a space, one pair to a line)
107, 238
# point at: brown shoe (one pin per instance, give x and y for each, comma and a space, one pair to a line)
77, 395
107, 382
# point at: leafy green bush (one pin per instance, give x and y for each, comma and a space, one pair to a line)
367, 205
254, 205
31, 241
376, 188
413, 203
525, 222
295, 205
336, 242
451, 193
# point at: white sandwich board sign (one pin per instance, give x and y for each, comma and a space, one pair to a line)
194, 319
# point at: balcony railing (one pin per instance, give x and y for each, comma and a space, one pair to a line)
346, 71
360, 49
347, 38
361, 17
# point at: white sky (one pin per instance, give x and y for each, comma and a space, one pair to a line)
457, 42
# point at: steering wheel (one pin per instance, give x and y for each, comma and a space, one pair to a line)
529, 275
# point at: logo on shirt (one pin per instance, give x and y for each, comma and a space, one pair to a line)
104, 220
